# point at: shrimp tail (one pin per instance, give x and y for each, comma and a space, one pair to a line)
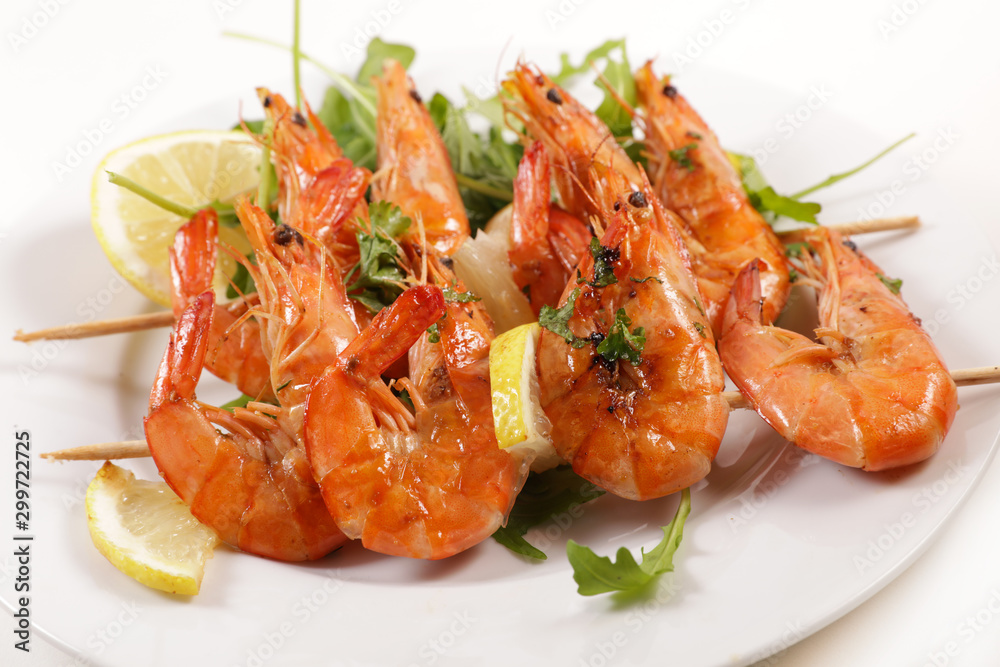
393, 331
192, 258
745, 301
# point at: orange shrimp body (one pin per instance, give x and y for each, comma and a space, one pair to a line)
414, 170
423, 485
542, 255
307, 318
647, 430
251, 484
573, 136
873, 393
694, 178
321, 192
234, 351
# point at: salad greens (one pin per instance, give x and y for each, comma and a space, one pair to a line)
377, 279
598, 574
555, 494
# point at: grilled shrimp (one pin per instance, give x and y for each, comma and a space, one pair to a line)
573, 136
694, 178
234, 347
647, 427
546, 243
423, 485
320, 191
414, 170
873, 393
253, 484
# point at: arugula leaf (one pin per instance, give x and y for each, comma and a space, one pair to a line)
351, 125
377, 277
841, 176
795, 250
763, 197
620, 344
894, 284
348, 109
598, 574
485, 165
548, 495
557, 320
568, 71
240, 402
378, 53
618, 78
242, 282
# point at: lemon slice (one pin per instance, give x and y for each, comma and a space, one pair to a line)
147, 532
191, 168
520, 423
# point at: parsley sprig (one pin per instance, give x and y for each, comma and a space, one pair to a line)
620, 343
377, 279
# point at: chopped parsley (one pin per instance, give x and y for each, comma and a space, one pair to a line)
604, 258
557, 320
894, 284
435, 333
681, 157
377, 279
451, 295
619, 343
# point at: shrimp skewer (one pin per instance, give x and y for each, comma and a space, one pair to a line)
873, 393
253, 484
423, 485
414, 168
694, 178
647, 429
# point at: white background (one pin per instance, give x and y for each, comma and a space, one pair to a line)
894, 66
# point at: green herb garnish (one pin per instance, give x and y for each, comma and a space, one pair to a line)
554, 494
604, 258
451, 295
619, 343
894, 284
557, 320
681, 157
434, 333
377, 277
597, 574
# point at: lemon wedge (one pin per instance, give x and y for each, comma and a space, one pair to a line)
147, 532
520, 423
192, 168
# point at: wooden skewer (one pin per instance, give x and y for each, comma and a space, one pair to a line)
99, 328
166, 318
862, 226
128, 449
137, 448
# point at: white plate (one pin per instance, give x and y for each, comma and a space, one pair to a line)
779, 543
